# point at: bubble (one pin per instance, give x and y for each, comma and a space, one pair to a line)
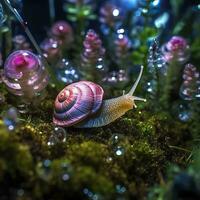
119, 151
64, 165
52, 140
116, 12
25, 74
155, 2
101, 66
66, 73
105, 29
116, 138
151, 87
85, 190
120, 189
90, 194
11, 118
65, 177
111, 17
45, 169
116, 78
109, 159
20, 192
47, 163
162, 20
184, 113
59, 135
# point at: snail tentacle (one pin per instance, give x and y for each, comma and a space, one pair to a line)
139, 99
136, 82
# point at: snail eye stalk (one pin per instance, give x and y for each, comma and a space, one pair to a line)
131, 92
139, 99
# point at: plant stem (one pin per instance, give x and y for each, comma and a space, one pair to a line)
33, 41
9, 37
180, 148
52, 10
172, 84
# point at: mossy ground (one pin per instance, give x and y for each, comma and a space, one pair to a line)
119, 161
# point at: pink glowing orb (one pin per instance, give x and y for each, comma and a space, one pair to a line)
20, 63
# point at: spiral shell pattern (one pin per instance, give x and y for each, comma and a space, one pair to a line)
76, 102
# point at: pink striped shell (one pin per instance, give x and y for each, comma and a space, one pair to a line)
76, 102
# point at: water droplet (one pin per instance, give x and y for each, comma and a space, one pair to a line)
117, 78
151, 87
47, 163
120, 189
101, 67
64, 165
11, 118
20, 192
65, 177
59, 135
116, 12
45, 169
162, 20
109, 159
184, 113
85, 190
119, 151
66, 72
116, 138
90, 194
144, 10
52, 141
155, 3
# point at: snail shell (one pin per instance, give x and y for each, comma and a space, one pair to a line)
76, 102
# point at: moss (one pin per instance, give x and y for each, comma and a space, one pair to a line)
179, 183
62, 179
34, 136
121, 160
16, 163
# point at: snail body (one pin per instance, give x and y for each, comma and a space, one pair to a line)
81, 105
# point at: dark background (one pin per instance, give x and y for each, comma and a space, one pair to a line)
36, 13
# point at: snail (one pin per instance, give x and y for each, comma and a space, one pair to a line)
81, 105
